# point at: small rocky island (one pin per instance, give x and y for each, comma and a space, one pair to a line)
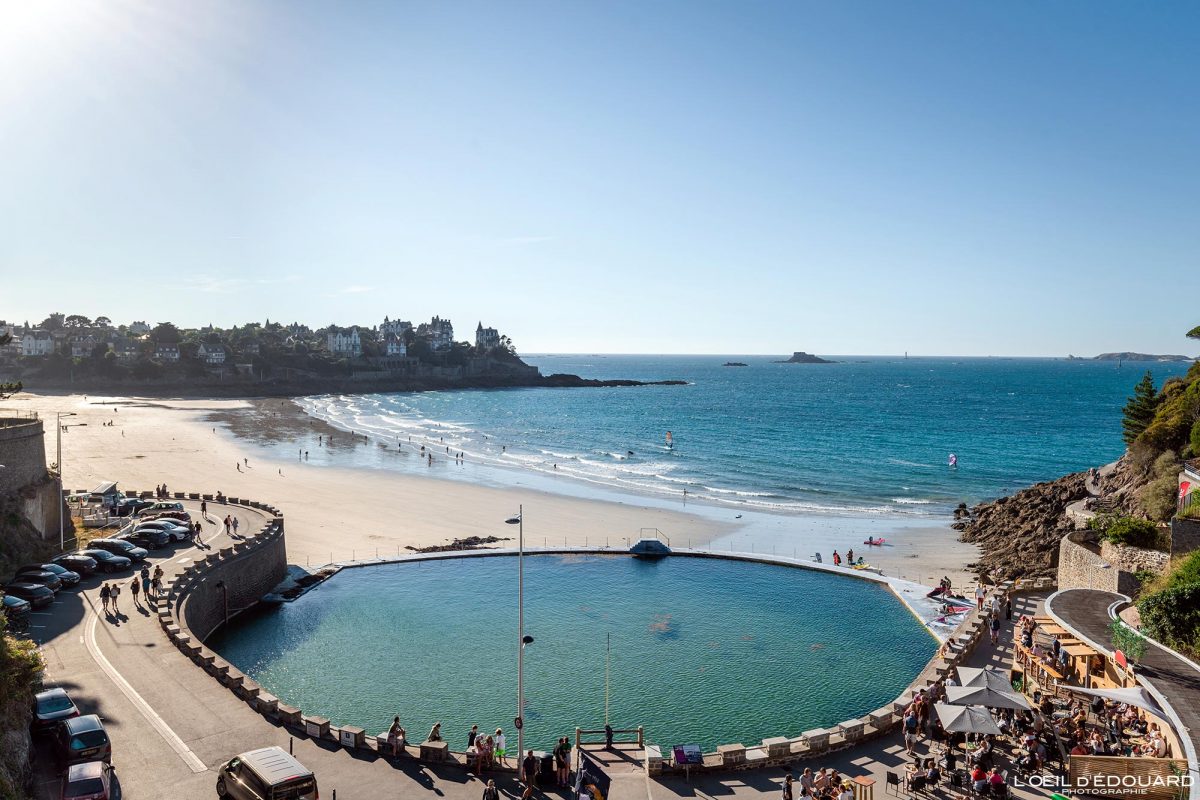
1132, 357
800, 357
735, 364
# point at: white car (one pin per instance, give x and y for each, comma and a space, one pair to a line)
177, 531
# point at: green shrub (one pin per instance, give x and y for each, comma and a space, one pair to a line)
1132, 532
1196, 438
1157, 498
1172, 616
1128, 641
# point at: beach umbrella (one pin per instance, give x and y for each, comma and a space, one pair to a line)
966, 719
985, 696
991, 678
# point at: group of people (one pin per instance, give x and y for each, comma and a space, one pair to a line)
144, 584
825, 784
161, 493
1121, 729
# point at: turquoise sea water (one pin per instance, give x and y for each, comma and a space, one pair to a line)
703, 651
869, 435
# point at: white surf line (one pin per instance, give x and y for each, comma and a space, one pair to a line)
156, 722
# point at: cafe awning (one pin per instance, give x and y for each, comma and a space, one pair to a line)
986, 696
1136, 696
966, 719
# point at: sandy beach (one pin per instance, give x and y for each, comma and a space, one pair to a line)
336, 511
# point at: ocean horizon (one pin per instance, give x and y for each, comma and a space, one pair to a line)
868, 435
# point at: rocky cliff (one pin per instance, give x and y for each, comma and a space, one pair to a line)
1019, 534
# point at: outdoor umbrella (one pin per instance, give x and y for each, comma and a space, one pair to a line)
966, 719
978, 676
985, 696
1136, 696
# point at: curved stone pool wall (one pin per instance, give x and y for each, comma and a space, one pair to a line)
194, 608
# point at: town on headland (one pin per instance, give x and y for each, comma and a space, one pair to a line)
74, 352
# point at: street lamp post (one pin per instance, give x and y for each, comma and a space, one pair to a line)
58, 465
522, 639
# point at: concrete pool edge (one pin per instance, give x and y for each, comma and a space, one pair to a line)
773, 751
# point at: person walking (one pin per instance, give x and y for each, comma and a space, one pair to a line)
980, 594
204, 508
105, 594
562, 760
196, 538
156, 585
1008, 606
134, 584
786, 794
145, 576
235, 526
114, 594
472, 735
490, 792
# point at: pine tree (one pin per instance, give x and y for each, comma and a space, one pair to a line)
1139, 411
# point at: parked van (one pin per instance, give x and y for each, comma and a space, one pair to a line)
266, 774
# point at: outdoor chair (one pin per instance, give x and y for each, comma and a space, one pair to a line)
955, 781
916, 784
893, 780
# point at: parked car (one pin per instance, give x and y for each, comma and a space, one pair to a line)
16, 611
150, 538
178, 517
78, 562
37, 595
163, 505
269, 773
130, 506
120, 547
68, 577
91, 780
41, 577
80, 739
106, 561
50, 708
175, 529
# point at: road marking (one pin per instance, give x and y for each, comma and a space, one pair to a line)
164, 730
183, 560
40, 614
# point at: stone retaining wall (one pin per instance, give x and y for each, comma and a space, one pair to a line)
1134, 559
22, 452
1082, 567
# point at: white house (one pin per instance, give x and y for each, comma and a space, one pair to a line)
345, 343
37, 343
138, 328
167, 352
395, 327
395, 345
486, 338
211, 353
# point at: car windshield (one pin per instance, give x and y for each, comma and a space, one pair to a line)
55, 568
56, 702
123, 545
86, 739
84, 788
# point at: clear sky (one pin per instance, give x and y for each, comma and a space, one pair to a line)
1018, 178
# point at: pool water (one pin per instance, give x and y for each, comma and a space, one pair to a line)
703, 651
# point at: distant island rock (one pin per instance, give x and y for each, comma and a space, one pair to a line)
1131, 357
735, 364
800, 357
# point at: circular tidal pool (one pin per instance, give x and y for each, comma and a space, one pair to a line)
703, 651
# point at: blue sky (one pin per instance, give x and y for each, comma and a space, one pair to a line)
741, 177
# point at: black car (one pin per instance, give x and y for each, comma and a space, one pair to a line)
106, 561
52, 707
120, 547
17, 612
43, 577
77, 562
65, 575
147, 537
38, 596
130, 506
81, 739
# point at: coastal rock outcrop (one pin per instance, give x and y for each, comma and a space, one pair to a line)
1019, 534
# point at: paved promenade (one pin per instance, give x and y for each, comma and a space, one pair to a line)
172, 725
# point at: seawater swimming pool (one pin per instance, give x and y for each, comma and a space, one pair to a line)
704, 650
